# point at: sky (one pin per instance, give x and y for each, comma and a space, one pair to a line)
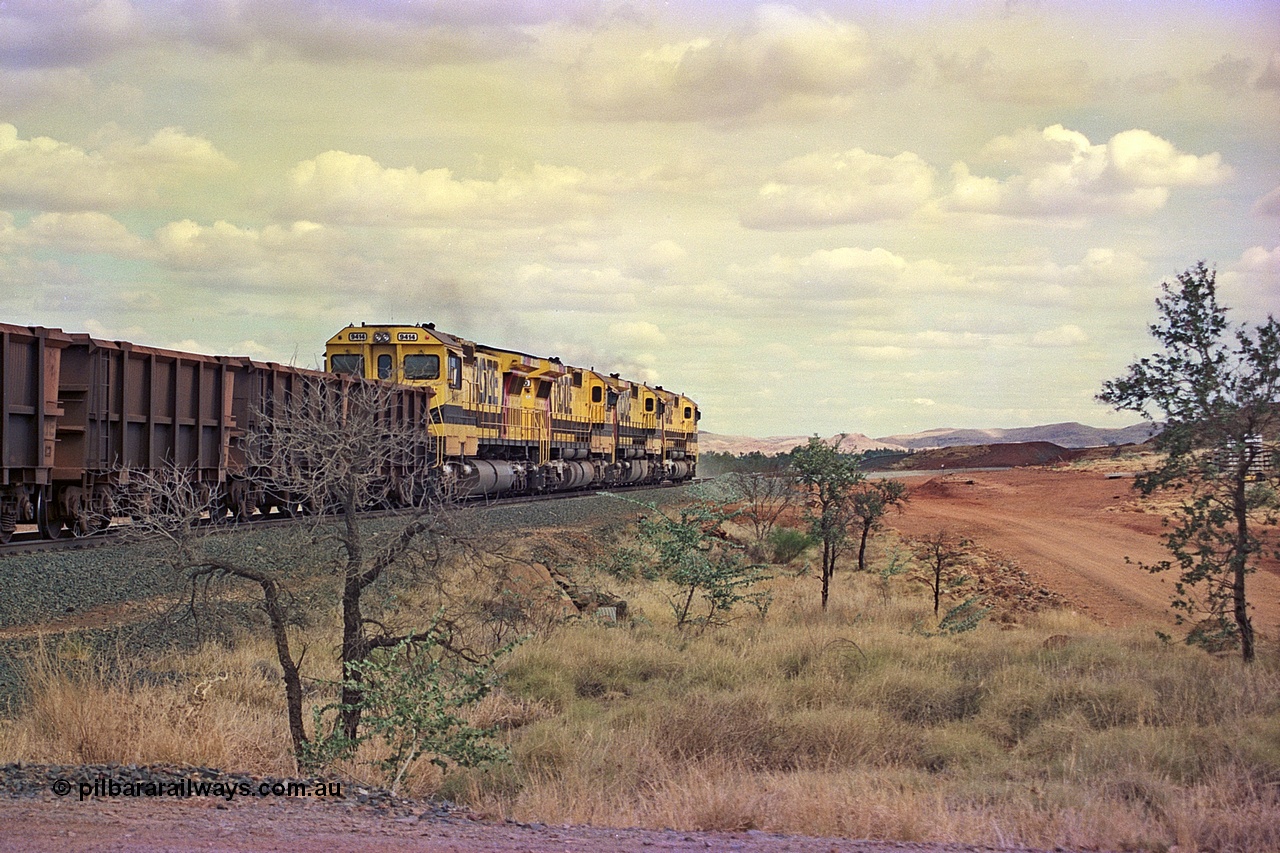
874, 217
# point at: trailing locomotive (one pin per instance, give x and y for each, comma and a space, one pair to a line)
79, 416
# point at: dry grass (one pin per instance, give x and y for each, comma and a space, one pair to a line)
222, 708
845, 723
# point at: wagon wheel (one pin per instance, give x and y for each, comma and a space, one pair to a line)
96, 517
49, 518
88, 523
404, 491
222, 509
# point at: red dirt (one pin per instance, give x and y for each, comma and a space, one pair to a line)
1071, 532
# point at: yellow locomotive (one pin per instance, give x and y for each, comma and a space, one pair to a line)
507, 421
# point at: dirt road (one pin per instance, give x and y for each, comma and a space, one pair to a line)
1071, 532
69, 826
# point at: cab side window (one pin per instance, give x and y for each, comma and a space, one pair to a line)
455, 371
422, 366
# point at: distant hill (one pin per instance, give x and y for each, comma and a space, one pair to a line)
1072, 435
737, 445
1067, 435
1003, 455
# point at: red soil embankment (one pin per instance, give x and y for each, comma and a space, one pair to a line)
1071, 532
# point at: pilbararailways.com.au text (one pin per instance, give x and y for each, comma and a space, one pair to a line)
181, 788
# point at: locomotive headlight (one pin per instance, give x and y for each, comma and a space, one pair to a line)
382, 337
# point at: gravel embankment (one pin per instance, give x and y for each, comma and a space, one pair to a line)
89, 591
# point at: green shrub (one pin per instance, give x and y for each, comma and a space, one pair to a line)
787, 543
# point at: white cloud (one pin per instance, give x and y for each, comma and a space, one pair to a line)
84, 232
1060, 174
660, 259
637, 333
833, 188
1139, 158
1068, 335
786, 59
172, 148
1251, 285
354, 188
223, 247
47, 174
602, 290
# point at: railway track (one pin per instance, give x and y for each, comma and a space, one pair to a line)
27, 540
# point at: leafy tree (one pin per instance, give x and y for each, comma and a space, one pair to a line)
414, 695
871, 501
690, 550
1217, 388
712, 463
832, 478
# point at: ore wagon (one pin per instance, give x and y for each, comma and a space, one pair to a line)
30, 362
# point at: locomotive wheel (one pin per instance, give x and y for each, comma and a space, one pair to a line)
48, 517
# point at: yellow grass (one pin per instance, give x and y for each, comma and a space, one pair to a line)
848, 722
222, 709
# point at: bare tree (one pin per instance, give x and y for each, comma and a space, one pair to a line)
341, 448
765, 497
167, 504
334, 448
940, 553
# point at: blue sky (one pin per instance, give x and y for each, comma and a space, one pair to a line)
873, 217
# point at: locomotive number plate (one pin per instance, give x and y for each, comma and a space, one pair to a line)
406, 336
358, 336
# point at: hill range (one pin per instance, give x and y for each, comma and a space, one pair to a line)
1067, 435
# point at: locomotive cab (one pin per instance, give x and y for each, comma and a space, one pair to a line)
412, 355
